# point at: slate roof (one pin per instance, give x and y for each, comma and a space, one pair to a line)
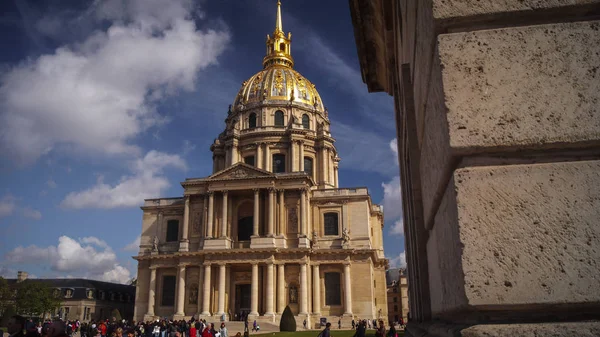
80, 286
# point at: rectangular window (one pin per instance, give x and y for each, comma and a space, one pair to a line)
168, 291
333, 289
330, 223
308, 166
249, 160
172, 230
278, 163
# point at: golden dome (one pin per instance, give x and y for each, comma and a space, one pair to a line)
278, 83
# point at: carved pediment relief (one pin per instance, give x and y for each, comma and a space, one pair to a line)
240, 171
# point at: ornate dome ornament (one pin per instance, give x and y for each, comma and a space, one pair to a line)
278, 81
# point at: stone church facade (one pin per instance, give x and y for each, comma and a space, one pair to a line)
270, 227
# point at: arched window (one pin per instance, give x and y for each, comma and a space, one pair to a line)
332, 289
279, 118
172, 230
305, 121
308, 166
252, 120
330, 223
278, 163
282, 47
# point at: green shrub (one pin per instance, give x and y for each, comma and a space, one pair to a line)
9, 312
288, 322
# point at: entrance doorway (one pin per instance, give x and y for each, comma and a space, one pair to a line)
243, 298
245, 228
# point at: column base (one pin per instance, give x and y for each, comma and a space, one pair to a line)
178, 316
262, 242
206, 314
568, 329
348, 314
184, 246
303, 242
150, 317
220, 243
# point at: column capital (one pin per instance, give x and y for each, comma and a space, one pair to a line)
256, 190
280, 190
225, 192
183, 265
153, 267
209, 193
207, 264
271, 189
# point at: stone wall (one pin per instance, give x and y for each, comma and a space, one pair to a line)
497, 106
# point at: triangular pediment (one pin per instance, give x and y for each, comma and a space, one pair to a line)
241, 171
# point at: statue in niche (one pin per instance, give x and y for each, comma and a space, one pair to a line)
197, 222
155, 244
315, 239
293, 294
193, 295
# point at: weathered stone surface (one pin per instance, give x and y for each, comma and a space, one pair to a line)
517, 235
445, 9
526, 87
579, 329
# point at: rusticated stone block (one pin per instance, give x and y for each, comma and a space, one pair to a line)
445, 9
517, 235
579, 329
526, 87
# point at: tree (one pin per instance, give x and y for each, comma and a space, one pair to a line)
288, 322
9, 311
35, 298
6, 296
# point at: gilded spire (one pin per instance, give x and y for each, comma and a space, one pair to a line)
278, 25
279, 46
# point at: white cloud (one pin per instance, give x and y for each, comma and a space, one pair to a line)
392, 199
133, 246
397, 227
394, 148
31, 213
7, 205
398, 261
89, 257
51, 183
188, 147
146, 181
101, 93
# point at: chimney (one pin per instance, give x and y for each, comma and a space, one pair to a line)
21, 276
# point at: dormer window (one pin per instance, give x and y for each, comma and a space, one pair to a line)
68, 293
56, 293
89, 293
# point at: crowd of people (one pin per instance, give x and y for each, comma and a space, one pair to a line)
20, 327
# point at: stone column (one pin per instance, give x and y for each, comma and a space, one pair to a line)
316, 290
308, 212
211, 205
326, 163
224, 216
227, 156
151, 291
301, 155
270, 212
159, 227
184, 244
267, 158
200, 288
323, 165
206, 295
180, 290
303, 290
281, 229
221, 305
254, 290
280, 288
270, 290
302, 212
291, 155
259, 156
205, 214
335, 180
255, 218
347, 290
234, 154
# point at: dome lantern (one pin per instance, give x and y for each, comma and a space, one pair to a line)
278, 46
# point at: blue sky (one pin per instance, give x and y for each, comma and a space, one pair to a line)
105, 103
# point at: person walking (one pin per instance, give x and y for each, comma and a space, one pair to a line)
223, 330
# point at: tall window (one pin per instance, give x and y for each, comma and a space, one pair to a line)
252, 120
279, 118
172, 230
168, 293
249, 160
395, 308
308, 166
332, 289
331, 223
305, 121
278, 163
